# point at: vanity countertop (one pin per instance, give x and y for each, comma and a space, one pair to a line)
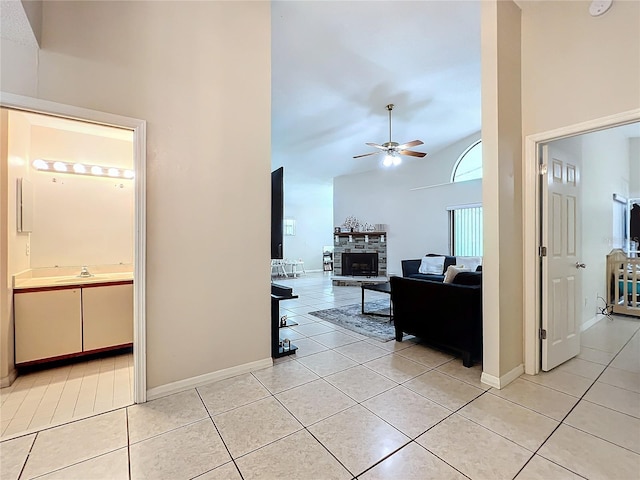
70, 280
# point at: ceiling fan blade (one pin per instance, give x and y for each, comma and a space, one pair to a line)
375, 145
411, 144
367, 154
412, 154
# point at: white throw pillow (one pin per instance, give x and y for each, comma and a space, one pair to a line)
469, 262
453, 270
433, 265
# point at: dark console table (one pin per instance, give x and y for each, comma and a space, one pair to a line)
279, 293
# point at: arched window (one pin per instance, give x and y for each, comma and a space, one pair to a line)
465, 221
469, 165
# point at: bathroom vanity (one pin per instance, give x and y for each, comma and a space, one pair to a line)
64, 316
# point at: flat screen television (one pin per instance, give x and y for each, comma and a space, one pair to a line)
277, 212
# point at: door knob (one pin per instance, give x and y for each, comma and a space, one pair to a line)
580, 265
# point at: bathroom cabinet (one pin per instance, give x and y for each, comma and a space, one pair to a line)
58, 322
107, 316
48, 324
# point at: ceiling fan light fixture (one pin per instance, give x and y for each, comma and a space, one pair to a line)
393, 150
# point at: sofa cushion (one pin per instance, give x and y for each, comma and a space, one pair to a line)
469, 262
453, 271
426, 276
468, 278
432, 265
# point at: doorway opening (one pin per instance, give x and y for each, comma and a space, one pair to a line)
120, 255
589, 141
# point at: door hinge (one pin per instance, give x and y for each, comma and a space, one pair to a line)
542, 333
542, 251
542, 169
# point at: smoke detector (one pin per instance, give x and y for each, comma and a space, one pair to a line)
599, 7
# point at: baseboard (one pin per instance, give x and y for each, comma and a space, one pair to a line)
188, 383
9, 379
504, 380
589, 323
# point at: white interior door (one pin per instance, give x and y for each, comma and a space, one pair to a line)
562, 266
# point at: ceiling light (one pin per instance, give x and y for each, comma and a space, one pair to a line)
59, 167
388, 160
81, 169
40, 164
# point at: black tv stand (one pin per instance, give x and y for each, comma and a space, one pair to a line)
279, 293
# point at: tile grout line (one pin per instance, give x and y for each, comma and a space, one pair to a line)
360, 403
24, 464
220, 435
581, 398
126, 414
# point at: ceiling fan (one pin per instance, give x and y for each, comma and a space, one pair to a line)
393, 150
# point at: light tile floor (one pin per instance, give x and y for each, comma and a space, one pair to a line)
403, 411
58, 395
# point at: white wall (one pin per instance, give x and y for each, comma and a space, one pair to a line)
19, 145
7, 370
417, 220
634, 168
199, 74
567, 55
81, 220
15, 161
502, 191
311, 205
605, 171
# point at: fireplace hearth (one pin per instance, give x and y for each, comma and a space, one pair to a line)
360, 264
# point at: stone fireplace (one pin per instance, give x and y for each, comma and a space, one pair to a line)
359, 256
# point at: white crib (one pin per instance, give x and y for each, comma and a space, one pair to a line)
623, 283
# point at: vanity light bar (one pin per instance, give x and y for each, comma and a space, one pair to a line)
81, 169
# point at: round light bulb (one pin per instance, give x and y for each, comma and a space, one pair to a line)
95, 170
388, 161
40, 164
397, 160
113, 172
128, 174
79, 168
59, 167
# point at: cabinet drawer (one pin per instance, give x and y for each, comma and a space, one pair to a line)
107, 314
47, 324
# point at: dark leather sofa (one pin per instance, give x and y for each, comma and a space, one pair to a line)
446, 315
410, 268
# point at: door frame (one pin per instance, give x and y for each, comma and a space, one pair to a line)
139, 129
532, 295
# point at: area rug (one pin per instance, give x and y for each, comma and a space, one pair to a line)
351, 318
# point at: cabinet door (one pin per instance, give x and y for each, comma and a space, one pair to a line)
48, 324
107, 315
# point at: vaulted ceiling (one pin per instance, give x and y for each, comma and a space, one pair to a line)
337, 64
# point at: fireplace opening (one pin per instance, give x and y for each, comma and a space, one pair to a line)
360, 264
